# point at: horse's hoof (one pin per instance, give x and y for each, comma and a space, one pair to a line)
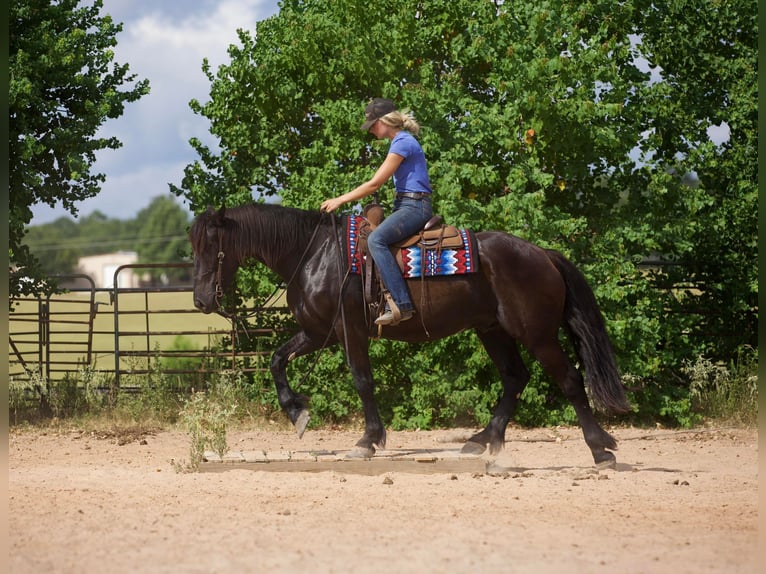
471, 447
495, 449
302, 422
360, 452
609, 463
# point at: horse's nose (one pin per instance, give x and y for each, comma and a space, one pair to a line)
199, 304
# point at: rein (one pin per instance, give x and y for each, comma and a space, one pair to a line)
341, 308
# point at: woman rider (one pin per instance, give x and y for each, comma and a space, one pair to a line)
406, 163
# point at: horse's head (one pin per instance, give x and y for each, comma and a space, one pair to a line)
214, 262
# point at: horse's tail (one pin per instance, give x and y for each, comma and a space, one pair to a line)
586, 328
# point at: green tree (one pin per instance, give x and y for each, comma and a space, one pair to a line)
100, 233
162, 236
63, 86
540, 118
55, 245
706, 56
58, 246
157, 234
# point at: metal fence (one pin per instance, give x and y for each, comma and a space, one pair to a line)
123, 330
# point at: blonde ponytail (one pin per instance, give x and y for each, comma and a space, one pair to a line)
403, 120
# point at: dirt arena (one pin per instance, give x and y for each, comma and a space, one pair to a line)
85, 502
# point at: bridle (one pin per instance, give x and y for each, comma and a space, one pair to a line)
219, 272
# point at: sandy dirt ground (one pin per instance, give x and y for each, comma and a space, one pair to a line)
113, 502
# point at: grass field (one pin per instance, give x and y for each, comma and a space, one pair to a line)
146, 321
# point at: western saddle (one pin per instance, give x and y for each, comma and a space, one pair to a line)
433, 236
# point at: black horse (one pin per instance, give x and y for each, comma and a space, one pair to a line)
521, 294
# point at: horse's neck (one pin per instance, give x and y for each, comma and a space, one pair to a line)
279, 246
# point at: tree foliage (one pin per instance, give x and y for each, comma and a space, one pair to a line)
583, 126
161, 236
157, 234
707, 57
64, 85
53, 246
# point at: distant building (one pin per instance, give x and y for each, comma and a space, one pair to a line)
101, 268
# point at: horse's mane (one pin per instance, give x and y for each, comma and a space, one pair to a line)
275, 229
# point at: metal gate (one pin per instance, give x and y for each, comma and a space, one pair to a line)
36, 345
121, 330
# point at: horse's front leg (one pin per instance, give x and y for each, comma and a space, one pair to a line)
374, 431
295, 405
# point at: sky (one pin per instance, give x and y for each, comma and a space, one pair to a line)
165, 42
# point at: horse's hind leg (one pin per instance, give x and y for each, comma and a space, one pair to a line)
504, 353
295, 405
556, 363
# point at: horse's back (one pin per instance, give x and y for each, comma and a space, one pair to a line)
508, 258
516, 286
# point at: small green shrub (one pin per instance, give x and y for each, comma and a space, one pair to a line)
75, 394
207, 416
94, 385
660, 402
725, 393
23, 397
148, 392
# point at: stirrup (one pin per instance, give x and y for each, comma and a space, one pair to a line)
388, 318
391, 314
389, 308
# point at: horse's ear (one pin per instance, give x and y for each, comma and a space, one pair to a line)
215, 217
218, 218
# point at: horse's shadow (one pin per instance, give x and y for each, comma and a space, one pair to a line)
619, 467
497, 466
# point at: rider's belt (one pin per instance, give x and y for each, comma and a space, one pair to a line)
408, 195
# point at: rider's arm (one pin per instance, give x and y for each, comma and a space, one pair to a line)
384, 173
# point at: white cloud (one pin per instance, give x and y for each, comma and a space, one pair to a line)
166, 43
131, 191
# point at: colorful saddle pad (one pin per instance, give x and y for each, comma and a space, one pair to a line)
417, 261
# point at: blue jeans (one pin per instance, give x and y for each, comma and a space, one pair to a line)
408, 217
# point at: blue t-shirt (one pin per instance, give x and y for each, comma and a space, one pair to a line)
412, 173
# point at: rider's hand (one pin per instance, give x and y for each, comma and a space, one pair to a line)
331, 204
